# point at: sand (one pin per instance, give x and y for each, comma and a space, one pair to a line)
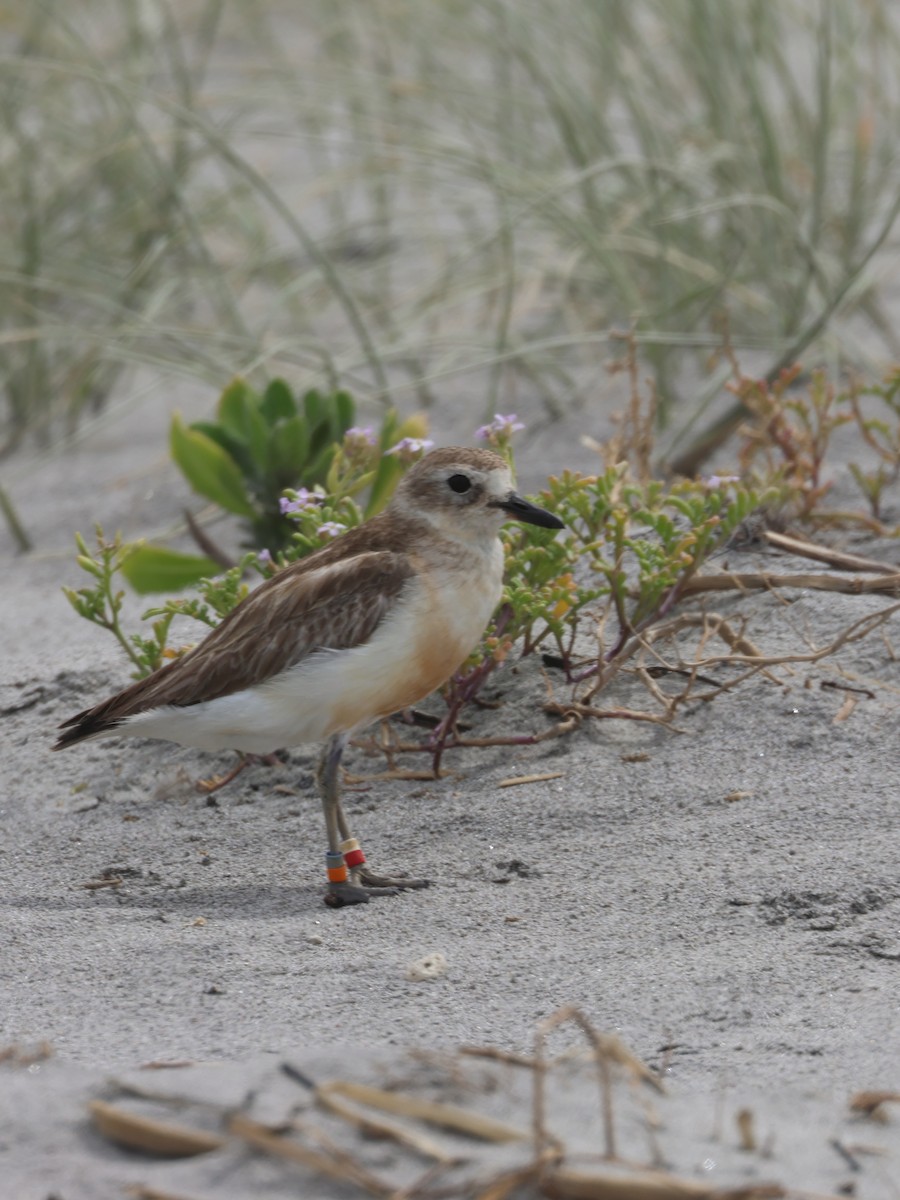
723, 898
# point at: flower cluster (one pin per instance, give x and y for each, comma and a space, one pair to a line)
301, 499
331, 529
359, 446
409, 449
499, 432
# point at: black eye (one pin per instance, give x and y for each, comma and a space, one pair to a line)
459, 483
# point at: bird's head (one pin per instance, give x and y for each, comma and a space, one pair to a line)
466, 494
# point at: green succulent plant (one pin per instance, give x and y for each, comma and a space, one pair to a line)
260, 444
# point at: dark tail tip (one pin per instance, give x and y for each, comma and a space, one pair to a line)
82, 726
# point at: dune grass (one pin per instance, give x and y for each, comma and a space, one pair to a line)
385, 196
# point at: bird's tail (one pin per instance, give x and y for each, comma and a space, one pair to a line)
91, 723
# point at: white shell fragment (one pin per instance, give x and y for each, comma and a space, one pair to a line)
432, 966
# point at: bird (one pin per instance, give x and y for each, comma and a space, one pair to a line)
363, 627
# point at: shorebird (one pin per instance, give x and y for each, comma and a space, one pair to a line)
363, 627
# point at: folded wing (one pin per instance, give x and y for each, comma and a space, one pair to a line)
302, 609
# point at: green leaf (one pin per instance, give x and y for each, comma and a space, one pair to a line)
227, 440
209, 469
387, 476
313, 409
345, 411
288, 451
158, 569
317, 468
232, 404
278, 403
239, 412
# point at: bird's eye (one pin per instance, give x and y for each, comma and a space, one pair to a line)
459, 483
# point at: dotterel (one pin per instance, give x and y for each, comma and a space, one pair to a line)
364, 627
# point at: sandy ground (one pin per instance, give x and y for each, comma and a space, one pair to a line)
724, 898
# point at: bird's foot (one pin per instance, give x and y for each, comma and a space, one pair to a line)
361, 886
351, 882
397, 883
341, 894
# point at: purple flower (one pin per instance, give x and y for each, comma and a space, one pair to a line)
304, 499
264, 558
409, 448
501, 428
360, 435
715, 481
360, 446
331, 529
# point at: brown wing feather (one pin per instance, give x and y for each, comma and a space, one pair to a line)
312, 605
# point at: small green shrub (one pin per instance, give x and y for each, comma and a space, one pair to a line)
260, 445
629, 551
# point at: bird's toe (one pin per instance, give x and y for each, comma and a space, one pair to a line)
396, 883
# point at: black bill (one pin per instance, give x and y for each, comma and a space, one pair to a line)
520, 509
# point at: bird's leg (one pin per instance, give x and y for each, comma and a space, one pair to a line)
348, 881
359, 873
343, 888
206, 787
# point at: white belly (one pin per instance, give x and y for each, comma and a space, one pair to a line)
436, 625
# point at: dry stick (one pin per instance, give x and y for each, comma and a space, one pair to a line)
607, 670
869, 1102
570, 723
853, 633
141, 1191
448, 1116
846, 687
733, 684
210, 548
750, 656
656, 691
544, 777
845, 711
565, 1183
424, 1186
399, 772
719, 625
574, 711
837, 558
562, 1181
712, 623
578, 709
607, 1049
758, 663
764, 580
497, 1055
503, 1186
370, 1126
260, 1137
152, 1136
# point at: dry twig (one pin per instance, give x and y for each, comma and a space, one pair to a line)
835, 558
340, 1166
163, 1138
731, 581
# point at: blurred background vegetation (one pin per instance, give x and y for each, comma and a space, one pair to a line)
384, 195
